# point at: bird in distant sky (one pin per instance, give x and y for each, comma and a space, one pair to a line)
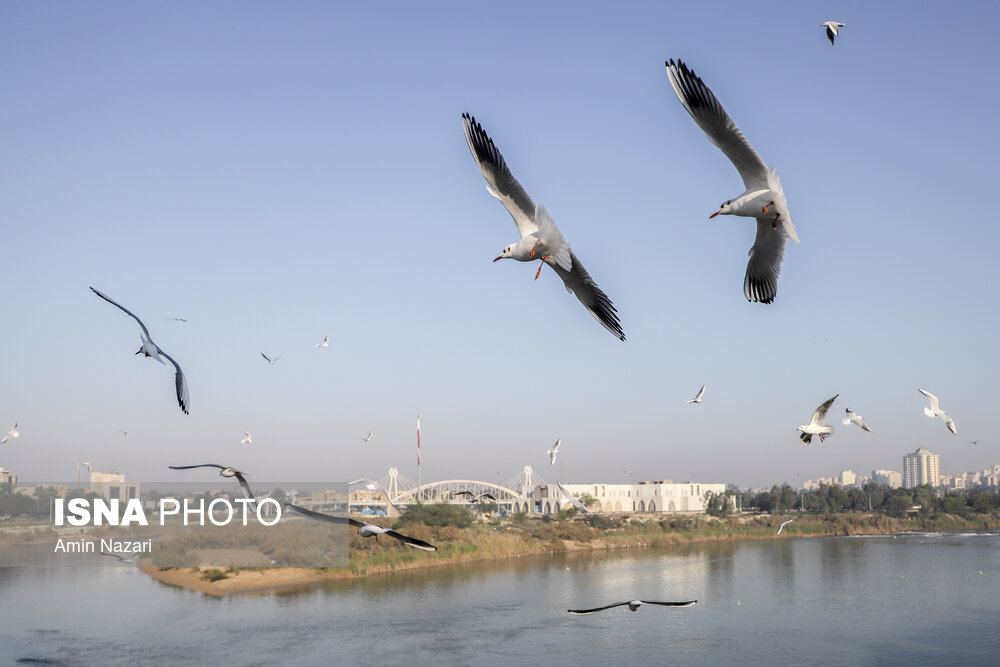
935, 411
12, 434
150, 349
368, 437
368, 484
856, 419
783, 524
633, 605
364, 529
224, 471
270, 361
627, 473
124, 434
764, 198
324, 343
697, 399
247, 438
832, 29
814, 427
540, 238
554, 451
129, 558
476, 498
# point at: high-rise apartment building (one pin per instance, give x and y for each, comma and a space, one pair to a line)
921, 467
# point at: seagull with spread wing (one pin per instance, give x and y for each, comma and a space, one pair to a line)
150, 349
764, 198
554, 451
832, 29
12, 434
814, 427
364, 529
224, 471
540, 238
633, 605
698, 398
935, 411
856, 419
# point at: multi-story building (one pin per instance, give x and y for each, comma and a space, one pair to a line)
921, 467
661, 496
889, 478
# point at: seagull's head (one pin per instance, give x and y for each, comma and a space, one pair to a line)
725, 209
507, 252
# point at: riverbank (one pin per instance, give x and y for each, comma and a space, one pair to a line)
537, 538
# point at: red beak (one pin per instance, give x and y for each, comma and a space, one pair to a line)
713, 215
498, 258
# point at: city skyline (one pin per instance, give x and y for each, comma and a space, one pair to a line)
312, 179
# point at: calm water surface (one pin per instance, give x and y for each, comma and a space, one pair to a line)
916, 598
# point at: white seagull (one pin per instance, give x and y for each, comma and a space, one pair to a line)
856, 419
129, 558
540, 238
936, 411
814, 427
632, 606
764, 198
12, 434
554, 451
831, 29
364, 529
124, 434
369, 484
269, 359
324, 343
150, 349
247, 438
368, 437
697, 399
224, 471
783, 524
477, 498
175, 319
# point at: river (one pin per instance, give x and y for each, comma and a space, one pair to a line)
914, 599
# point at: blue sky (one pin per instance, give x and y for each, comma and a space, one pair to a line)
275, 174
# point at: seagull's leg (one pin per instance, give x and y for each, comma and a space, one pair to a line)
768, 204
539, 271
774, 223
532, 253
822, 438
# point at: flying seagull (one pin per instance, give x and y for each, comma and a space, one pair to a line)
936, 411
764, 198
783, 524
814, 427
364, 529
150, 349
697, 399
12, 434
269, 359
369, 484
476, 498
368, 437
324, 343
540, 238
832, 29
633, 605
247, 438
124, 434
224, 471
554, 451
130, 558
856, 419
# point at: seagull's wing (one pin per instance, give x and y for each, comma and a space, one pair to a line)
465, 493
849, 419
701, 392
591, 611
246, 487
821, 410
487, 495
949, 422
200, 465
579, 282
500, 182
555, 244
183, 398
411, 541
764, 265
708, 113
935, 406
126, 310
686, 603
309, 514
830, 33
555, 447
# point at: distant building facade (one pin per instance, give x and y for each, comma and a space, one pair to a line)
112, 486
890, 478
660, 497
8, 479
921, 467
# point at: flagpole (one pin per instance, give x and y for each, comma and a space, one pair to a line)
418, 456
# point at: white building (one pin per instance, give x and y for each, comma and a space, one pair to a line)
921, 467
660, 496
889, 478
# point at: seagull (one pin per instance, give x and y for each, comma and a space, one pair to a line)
633, 605
12, 434
856, 419
175, 319
130, 558
697, 399
627, 473
364, 529
269, 359
370, 485
764, 198
476, 498
124, 434
831, 29
814, 427
368, 437
150, 349
936, 411
540, 238
783, 524
224, 471
324, 343
552, 452
247, 438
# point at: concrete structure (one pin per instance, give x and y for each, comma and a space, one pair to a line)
112, 485
8, 479
660, 496
889, 478
921, 467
